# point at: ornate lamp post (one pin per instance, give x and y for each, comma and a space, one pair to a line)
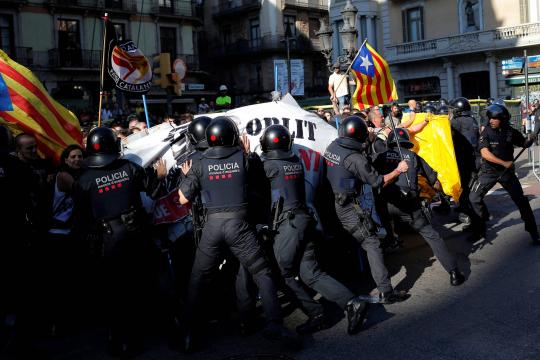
347, 33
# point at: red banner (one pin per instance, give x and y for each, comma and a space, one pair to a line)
168, 209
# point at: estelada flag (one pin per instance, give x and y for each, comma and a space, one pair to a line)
374, 83
126, 64
25, 106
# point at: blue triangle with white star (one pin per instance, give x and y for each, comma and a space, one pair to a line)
364, 63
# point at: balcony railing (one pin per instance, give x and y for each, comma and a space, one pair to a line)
73, 58
173, 8
272, 43
231, 7
308, 4
479, 41
120, 5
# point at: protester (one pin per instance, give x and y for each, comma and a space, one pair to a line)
337, 87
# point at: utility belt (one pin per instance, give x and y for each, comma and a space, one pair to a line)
365, 222
132, 220
239, 214
343, 199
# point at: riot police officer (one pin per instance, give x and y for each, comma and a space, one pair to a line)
109, 213
402, 198
497, 149
293, 225
347, 170
220, 177
465, 134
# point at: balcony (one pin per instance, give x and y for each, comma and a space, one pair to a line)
479, 41
72, 59
22, 55
308, 4
226, 8
173, 8
110, 5
265, 44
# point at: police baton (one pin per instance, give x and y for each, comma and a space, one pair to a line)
535, 134
399, 150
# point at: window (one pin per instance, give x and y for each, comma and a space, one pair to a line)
314, 26
413, 24
290, 22
254, 33
166, 5
69, 43
167, 37
226, 34
120, 31
6, 33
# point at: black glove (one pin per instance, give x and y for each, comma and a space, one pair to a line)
530, 140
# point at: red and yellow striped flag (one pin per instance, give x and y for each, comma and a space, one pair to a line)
374, 83
34, 111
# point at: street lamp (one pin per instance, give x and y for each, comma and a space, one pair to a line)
347, 33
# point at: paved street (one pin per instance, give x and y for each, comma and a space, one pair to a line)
494, 315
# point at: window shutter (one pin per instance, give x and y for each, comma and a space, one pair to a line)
405, 27
421, 23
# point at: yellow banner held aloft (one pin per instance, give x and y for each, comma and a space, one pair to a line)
434, 144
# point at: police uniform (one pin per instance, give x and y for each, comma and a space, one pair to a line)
500, 142
293, 248
347, 170
108, 206
220, 177
403, 201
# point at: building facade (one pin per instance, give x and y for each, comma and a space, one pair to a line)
245, 37
61, 41
444, 49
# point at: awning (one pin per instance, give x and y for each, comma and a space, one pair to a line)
520, 80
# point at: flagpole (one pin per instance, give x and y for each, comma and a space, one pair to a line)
352, 62
146, 111
101, 80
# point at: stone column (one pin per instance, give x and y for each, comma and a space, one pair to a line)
491, 60
370, 30
449, 79
335, 41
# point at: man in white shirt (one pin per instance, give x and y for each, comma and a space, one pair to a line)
337, 87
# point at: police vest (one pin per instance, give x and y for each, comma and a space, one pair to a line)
288, 183
467, 126
341, 179
114, 189
223, 180
500, 145
391, 159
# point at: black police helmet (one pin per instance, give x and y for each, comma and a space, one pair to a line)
430, 108
443, 110
276, 137
353, 127
403, 137
443, 101
196, 132
497, 111
460, 104
102, 147
222, 131
490, 101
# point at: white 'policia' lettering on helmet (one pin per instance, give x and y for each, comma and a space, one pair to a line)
223, 167
105, 180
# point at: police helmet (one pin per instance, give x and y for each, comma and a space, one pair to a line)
102, 147
460, 104
276, 137
196, 132
443, 101
222, 131
443, 110
490, 101
403, 137
353, 127
430, 108
499, 112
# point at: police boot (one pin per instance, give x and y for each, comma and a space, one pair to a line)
313, 324
456, 277
393, 296
356, 315
277, 332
